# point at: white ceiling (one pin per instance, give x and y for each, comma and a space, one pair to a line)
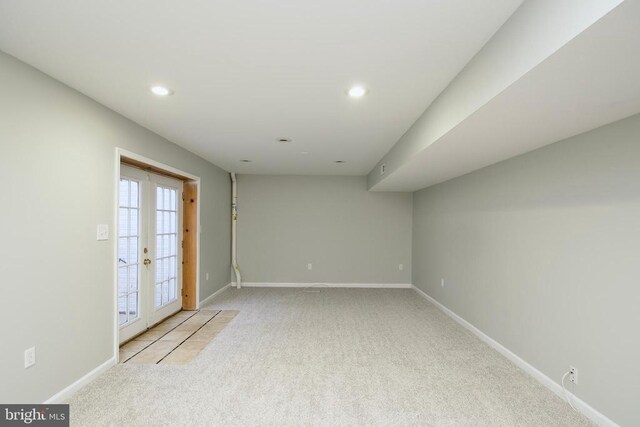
247, 72
591, 81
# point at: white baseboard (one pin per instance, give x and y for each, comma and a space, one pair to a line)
590, 412
326, 285
65, 394
210, 298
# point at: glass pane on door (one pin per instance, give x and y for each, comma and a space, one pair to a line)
166, 285
128, 254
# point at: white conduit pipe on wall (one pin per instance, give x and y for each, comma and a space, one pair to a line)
234, 221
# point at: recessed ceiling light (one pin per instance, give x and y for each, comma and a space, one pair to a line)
161, 91
245, 161
284, 140
339, 161
357, 91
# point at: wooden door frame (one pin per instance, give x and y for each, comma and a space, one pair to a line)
133, 159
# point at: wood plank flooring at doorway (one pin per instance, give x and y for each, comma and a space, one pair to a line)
178, 339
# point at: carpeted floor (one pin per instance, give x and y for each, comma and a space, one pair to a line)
333, 357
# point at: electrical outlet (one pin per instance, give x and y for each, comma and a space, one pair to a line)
442, 283
400, 267
29, 357
382, 168
309, 266
573, 374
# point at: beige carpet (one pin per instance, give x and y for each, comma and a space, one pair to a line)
333, 357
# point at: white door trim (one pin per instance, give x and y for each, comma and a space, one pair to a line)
119, 153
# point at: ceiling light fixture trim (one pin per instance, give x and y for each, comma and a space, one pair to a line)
357, 91
161, 91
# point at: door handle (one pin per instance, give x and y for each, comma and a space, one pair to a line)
147, 261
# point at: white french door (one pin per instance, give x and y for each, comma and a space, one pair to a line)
149, 249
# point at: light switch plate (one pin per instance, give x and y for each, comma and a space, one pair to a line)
29, 357
103, 231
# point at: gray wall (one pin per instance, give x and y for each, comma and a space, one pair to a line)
542, 253
348, 234
57, 163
